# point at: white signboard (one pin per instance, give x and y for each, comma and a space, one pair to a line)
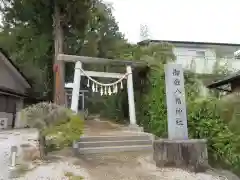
3, 123
176, 105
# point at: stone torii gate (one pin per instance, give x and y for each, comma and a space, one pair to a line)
104, 88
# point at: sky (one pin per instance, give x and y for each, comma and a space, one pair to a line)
180, 20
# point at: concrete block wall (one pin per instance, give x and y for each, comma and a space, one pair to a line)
9, 117
19, 123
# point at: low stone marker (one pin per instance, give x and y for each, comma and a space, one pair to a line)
178, 151
13, 156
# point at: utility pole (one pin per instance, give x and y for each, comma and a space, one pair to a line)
59, 68
144, 32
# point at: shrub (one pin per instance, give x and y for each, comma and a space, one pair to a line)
229, 108
152, 107
43, 115
59, 125
63, 134
204, 122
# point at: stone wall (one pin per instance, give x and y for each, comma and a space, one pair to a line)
19, 123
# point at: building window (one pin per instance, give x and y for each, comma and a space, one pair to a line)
11, 105
7, 104
200, 54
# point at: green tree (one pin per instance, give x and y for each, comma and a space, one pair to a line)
27, 34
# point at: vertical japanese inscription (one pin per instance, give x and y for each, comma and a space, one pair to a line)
177, 119
177, 96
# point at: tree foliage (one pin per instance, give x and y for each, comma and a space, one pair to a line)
27, 34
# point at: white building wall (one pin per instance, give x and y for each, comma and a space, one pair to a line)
191, 58
199, 60
233, 64
204, 64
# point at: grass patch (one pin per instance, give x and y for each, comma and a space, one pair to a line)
71, 176
63, 134
19, 171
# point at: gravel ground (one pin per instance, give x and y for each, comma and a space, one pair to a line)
135, 166
7, 140
112, 166
116, 166
54, 171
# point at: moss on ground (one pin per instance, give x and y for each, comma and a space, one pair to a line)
71, 176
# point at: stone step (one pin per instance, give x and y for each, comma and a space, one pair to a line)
108, 149
114, 138
113, 143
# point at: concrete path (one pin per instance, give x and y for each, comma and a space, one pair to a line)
5, 148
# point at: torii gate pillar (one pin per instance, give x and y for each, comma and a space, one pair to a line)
76, 86
131, 103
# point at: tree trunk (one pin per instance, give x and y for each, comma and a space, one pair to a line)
59, 75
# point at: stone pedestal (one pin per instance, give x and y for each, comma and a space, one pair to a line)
188, 154
31, 146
